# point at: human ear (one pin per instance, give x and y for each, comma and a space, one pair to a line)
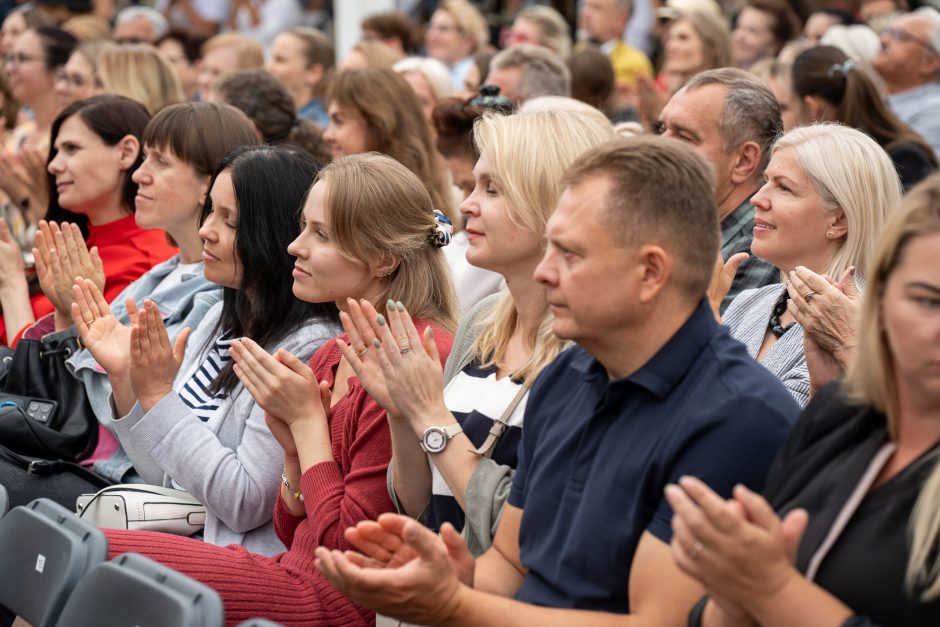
656, 267
838, 225
128, 150
385, 266
314, 74
747, 162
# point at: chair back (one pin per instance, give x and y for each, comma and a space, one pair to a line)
134, 590
45, 550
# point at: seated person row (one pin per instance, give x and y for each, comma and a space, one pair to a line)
654, 389
335, 437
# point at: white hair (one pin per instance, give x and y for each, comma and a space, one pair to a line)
563, 104
933, 17
433, 71
158, 23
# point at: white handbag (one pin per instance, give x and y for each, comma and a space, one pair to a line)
143, 507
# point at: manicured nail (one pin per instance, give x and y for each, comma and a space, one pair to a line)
377, 343
852, 271
390, 305
431, 333
401, 306
380, 319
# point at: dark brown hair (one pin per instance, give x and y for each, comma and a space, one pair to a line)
827, 72
786, 24
392, 25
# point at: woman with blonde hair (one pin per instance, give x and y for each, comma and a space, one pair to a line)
335, 436
226, 53
376, 110
696, 41
502, 343
140, 73
456, 31
828, 191
858, 478
78, 79
429, 80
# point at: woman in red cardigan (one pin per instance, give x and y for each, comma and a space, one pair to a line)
369, 232
95, 148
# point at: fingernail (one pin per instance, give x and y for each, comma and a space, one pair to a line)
380, 319
390, 305
431, 332
377, 343
401, 306
852, 271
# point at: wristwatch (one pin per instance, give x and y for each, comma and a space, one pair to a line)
434, 439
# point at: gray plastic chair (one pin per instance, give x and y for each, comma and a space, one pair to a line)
4, 500
134, 590
44, 551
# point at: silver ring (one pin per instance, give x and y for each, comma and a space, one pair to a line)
696, 549
405, 350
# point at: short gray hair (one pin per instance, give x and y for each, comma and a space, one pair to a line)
750, 112
552, 26
158, 23
933, 17
543, 72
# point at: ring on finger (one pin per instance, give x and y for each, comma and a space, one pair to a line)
362, 351
808, 294
696, 549
405, 350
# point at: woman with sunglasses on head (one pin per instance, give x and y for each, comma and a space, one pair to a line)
174, 404
335, 437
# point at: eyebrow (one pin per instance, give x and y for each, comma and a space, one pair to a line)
924, 286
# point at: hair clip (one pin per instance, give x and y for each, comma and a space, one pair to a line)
842, 68
443, 229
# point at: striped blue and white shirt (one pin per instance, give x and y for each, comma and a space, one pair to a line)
195, 392
477, 399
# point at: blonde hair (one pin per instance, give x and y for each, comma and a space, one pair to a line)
375, 206
376, 54
715, 36
469, 21
88, 28
871, 378
553, 29
248, 52
141, 73
433, 71
853, 173
528, 154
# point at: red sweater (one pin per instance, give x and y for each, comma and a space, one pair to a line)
337, 494
126, 250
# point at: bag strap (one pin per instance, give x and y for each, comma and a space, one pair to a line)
48, 467
501, 424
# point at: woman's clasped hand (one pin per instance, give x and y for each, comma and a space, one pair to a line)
399, 367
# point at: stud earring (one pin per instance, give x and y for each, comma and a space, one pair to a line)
830, 235
387, 274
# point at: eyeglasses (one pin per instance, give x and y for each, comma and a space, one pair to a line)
898, 34
18, 58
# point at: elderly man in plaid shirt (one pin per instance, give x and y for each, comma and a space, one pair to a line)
732, 120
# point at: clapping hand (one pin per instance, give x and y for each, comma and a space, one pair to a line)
407, 571
11, 258
722, 278
61, 258
360, 353
154, 361
739, 549
102, 334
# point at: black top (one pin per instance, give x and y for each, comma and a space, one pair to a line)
911, 162
825, 456
596, 454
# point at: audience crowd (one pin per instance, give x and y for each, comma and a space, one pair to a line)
514, 313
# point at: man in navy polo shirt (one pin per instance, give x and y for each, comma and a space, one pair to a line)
655, 389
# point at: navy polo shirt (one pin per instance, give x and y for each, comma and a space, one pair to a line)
596, 455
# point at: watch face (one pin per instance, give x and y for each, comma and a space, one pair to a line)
434, 440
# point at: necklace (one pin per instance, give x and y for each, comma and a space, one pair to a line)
779, 309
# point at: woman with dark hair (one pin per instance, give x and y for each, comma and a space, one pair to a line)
335, 437
761, 30
376, 110
183, 145
36, 56
268, 104
833, 88
172, 407
95, 150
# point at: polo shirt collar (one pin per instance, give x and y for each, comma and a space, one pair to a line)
670, 364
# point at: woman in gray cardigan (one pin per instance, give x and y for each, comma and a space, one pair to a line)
181, 413
828, 190
501, 345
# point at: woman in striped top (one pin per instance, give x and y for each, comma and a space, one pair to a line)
181, 413
501, 345
369, 233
